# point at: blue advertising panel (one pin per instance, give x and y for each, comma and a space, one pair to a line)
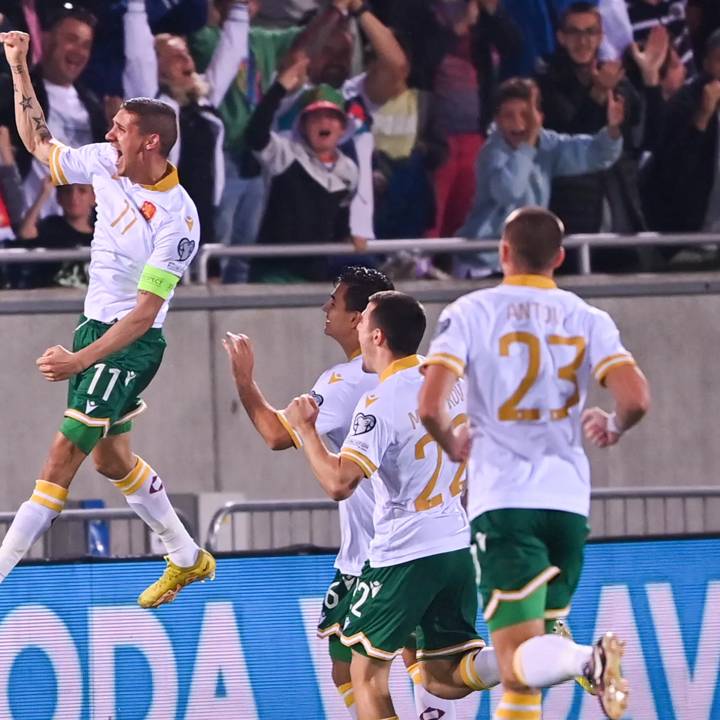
75, 646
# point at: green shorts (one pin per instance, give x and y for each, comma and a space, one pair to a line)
530, 563
103, 399
434, 596
334, 611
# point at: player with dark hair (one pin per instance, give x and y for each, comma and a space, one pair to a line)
145, 237
336, 391
529, 351
419, 577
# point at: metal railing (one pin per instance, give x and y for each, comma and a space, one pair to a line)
614, 513
131, 539
585, 243
282, 524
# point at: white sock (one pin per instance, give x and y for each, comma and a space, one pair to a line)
426, 702
480, 670
348, 696
548, 660
32, 519
145, 494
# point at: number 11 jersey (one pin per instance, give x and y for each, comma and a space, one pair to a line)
528, 351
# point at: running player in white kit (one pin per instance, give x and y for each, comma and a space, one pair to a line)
419, 576
336, 392
529, 352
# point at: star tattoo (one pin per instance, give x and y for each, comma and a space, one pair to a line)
39, 122
26, 103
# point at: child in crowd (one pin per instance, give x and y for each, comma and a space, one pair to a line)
72, 229
520, 158
312, 180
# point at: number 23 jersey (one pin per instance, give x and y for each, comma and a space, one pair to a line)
417, 489
528, 351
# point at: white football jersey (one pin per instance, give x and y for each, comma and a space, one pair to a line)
142, 231
418, 511
528, 351
337, 392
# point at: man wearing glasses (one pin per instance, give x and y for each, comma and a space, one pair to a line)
575, 86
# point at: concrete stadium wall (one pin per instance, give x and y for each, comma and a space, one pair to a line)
198, 438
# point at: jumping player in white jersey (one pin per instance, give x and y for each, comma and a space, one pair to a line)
145, 237
419, 575
529, 352
336, 392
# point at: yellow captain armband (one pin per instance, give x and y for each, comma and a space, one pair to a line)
57, 174
158, 282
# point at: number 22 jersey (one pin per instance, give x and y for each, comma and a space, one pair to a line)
528, 351
417, 489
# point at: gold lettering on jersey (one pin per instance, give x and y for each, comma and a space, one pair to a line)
414, 419
531, 310
128, 226
335, 378
126, 207
456, 396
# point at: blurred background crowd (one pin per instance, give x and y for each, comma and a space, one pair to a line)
305, 121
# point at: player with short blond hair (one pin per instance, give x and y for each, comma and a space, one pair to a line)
145, 237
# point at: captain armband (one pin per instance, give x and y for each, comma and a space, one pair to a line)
158, 282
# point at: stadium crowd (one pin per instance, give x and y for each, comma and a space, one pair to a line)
312, 122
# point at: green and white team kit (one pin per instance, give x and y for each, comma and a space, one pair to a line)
145, 239
528, 352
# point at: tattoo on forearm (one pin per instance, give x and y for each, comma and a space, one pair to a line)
18, 69
26, 102
41, 128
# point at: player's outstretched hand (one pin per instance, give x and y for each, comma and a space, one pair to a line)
242, 359
595, 426
302, 412
16, 46
460, 444
58, 363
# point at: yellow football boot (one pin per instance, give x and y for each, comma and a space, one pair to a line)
175, 578
563, 629
605, 673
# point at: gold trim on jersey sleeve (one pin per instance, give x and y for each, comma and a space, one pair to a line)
167, 182
362, 461
446, 360
537, 281
612, 361
57, 174
296, 441
158, 282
